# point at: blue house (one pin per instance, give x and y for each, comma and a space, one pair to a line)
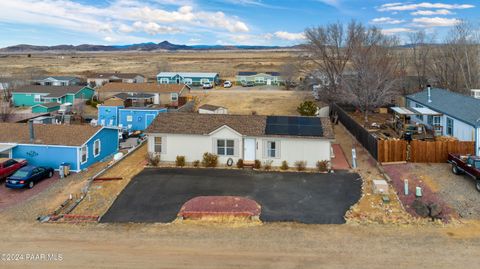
51, 145
455, 114
130, 118
194, 79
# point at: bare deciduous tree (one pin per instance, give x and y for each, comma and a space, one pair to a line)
330, 49
421, 45
374, 67
289, 74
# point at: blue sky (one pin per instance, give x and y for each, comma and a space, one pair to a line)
250, 22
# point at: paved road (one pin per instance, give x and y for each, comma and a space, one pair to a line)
156, 195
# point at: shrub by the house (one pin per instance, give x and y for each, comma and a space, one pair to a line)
307, 108
257, 165
210, 160
153, 159
196, 163
284, 166
323, 166
240, 163
301, 165
180, 161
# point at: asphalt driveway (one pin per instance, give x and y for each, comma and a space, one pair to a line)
156, 195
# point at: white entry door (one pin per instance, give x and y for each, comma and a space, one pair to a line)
269, 82
250, 146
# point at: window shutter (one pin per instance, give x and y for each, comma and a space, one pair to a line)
278, 151
236, 147
164, 144
264, 149
214, 146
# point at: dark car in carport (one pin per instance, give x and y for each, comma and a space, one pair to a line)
28, 176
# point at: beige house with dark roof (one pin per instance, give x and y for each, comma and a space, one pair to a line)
163, 94
249, 137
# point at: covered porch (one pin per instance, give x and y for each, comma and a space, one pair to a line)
6, 150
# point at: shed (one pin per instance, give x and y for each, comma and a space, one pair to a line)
211, 109
46, 108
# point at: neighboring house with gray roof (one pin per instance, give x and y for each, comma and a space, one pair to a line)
248, 137
57, 81
259, 78
100, 79
460, 114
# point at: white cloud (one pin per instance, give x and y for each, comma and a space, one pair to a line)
431, 12
435, 21
399, 30
153, 28
289, 36
386, 20
121, 20
424, 5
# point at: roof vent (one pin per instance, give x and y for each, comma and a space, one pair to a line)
429, 88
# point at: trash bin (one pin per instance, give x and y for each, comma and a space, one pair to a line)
65, 168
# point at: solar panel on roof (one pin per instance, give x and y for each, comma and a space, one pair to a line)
294, 126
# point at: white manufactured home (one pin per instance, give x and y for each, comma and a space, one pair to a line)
247, 137
458, 115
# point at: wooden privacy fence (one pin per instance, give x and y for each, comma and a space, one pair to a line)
392, 151
437, 152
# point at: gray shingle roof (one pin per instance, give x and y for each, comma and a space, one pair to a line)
202, 124
187, 74
67, 78
455, 105
53, 91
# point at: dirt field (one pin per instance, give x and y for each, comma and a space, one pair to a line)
227, 63
267, 246
263, 102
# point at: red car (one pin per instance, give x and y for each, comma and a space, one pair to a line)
10, 166
469, 165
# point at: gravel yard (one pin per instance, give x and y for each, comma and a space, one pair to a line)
458, 191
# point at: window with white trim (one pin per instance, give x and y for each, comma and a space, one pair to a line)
259, 80
225, 147
96, 148
158, 144
164, 81
272, 149
84, 154
188, 81
174, 96
449, 126
37, 98
420, 117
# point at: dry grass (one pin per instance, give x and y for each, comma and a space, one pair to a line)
102, 194
227, 63
263, 102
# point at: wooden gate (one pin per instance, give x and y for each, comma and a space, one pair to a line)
392, 151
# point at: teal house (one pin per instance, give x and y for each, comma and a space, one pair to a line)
31, 95
191, 79
45, 108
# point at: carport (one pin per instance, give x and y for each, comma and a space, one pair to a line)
6, 150
157, 195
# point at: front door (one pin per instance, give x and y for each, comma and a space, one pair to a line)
269, 82
250, 146
148, 119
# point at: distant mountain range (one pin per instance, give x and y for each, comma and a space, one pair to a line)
165, 45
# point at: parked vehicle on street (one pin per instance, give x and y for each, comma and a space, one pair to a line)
227, 84
10, 166
207, 85
248, 83
28, 176
469, 165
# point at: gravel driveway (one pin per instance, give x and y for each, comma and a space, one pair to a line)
458, 191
